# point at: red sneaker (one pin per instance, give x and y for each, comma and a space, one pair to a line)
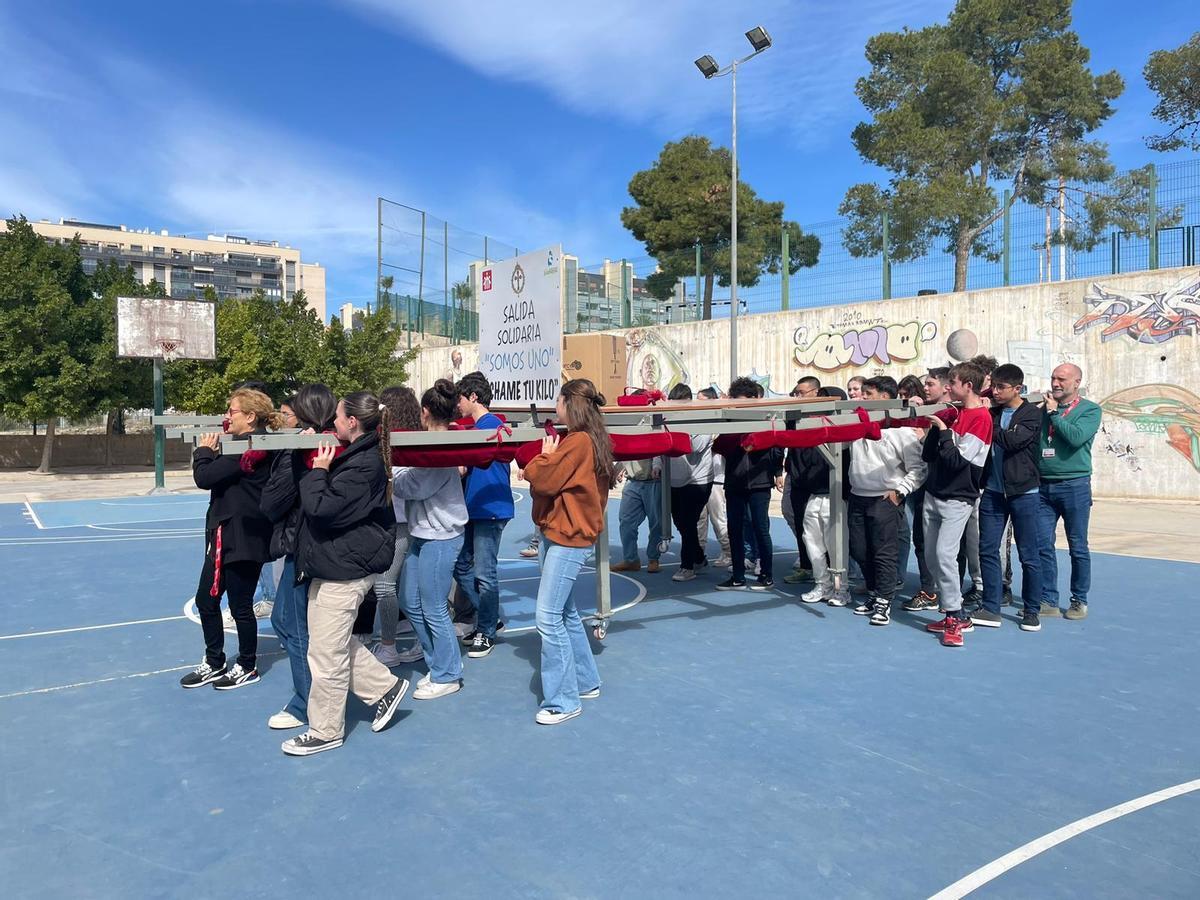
940, 626
952, 634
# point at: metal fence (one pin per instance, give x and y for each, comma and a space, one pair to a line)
426, 264
1169, 235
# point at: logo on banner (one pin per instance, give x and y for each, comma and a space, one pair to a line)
487, 279
518, 279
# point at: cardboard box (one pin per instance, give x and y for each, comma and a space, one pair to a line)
598, 357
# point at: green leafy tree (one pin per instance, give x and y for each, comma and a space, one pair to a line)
51, 330
1175, 76
683, 200
999, 95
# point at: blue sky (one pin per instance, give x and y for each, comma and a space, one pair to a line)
522, 120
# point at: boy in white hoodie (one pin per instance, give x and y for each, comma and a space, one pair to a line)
882, 474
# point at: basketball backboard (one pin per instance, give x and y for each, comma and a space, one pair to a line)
165, 328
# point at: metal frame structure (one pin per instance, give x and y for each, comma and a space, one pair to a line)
712, 417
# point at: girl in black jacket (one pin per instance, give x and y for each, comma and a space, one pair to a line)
345, 541
237, 539
314, 407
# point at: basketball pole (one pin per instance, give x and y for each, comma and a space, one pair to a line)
160, 443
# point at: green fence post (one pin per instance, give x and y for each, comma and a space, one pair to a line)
699, 312
626, 300
1007, 250
160, 437
886, 287
786, 257
1152, 190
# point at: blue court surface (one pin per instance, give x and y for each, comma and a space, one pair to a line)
745, 744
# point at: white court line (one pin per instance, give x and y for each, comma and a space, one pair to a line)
35, 542
123, 530
1024, 853
191, 518
34, 516
29, 634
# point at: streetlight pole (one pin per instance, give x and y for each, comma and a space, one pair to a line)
760, 41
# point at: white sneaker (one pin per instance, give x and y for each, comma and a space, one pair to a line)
227, 621
816, 595
432, 690
405, 627
723, 561
412, 654
553, 717
387, 654
589, 695
683, 575
530, 552
424, 680
263, 608
283, 720
838, 598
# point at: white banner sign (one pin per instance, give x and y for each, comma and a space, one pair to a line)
520, 327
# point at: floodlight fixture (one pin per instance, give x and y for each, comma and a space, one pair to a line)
707, 65
758, 38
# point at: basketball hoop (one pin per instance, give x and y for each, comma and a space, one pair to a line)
171, 349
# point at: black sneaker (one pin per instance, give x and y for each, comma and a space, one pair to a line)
732, 584
881, 614
481, 646
235, 678
865, 606
388, 704
1008, 599
1031, 622
307, 744
922, 600
201, 675
972, 599
763, 583
987, 619
468, 639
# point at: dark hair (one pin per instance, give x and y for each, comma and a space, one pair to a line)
315, 406
252, 385
583, 402
1008, 374
441, 401
373, 414
810, 379
403, 408
834, 393
941, 373
910, 386
884, 384
745, 389
968, 373
476, 383
708, 393
986, 364
859, 378
680, 392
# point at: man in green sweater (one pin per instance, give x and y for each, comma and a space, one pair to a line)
1069, 425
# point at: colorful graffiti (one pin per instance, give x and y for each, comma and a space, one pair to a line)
1161, 409
651, 364
1148, 318
837, 349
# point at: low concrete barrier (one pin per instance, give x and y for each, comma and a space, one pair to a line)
24, 451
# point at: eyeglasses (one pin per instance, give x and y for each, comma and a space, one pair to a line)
233, 412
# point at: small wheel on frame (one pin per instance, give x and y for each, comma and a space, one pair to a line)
601, 629
664, 546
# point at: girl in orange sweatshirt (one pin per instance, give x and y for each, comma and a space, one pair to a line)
569, 482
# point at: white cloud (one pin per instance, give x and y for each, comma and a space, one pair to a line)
632, 61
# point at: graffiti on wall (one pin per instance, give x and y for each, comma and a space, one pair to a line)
652, 364
1161, 409
839, 348
1148, 318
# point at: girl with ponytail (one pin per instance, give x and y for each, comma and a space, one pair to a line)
345, 542
569, 482
437, 519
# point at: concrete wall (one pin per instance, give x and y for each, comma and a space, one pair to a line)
24, 451
1134, 336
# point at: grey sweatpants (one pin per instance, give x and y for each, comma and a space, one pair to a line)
945, 521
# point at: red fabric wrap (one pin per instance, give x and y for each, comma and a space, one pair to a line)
802, 437
337, 451
626, 447
649, 398
215, 590
478, 456
250, 459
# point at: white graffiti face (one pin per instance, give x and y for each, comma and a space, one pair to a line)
1148, 318
884, 344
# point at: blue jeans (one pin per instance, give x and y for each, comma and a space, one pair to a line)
640, 500
995, 510
1071, 501
289, 619
568, 666
749, 515
428, 572
475, 571
266, 582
